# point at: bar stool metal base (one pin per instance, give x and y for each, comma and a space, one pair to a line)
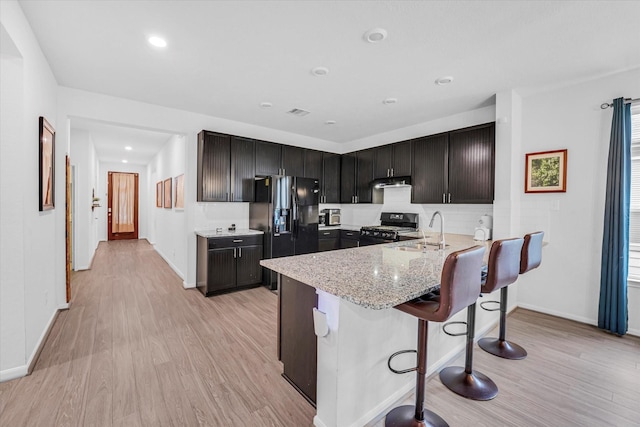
501, 348
405, 416
474, 386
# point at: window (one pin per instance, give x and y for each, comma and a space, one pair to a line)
634, 214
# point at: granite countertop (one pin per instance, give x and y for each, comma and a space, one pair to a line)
340, 227
375, 277
227, 233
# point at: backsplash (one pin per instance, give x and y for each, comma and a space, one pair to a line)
209, 216
459, 219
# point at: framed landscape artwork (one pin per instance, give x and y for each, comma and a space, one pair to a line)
179, 192
167, 193
47, 165
159, 194
546, 172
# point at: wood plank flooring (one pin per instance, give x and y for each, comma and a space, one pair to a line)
136, 349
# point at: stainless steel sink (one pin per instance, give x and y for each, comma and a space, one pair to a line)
419, 247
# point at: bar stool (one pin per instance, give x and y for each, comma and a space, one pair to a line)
503, 268
530, 258
459, 286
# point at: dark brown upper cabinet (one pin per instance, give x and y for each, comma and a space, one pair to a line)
455, 167
292, 161
356, 176
392, 160
268, 158
330, 183
313, 164
225, 168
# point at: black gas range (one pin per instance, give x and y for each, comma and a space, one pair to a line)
392, 226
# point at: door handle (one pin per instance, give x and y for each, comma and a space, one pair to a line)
239, 252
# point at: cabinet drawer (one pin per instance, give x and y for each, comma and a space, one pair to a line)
231, 242
328, 234
349, 234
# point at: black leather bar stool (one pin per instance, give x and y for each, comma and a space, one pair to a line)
529, 258
503, 269
459, 287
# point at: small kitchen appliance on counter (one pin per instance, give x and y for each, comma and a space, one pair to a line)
391, 227
332, 216
484, 230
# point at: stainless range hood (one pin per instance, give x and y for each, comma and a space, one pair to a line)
378, 186
392, 181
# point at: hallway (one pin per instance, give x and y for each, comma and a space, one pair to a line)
135, 348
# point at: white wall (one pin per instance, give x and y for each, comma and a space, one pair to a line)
568, 281
32, 250
170, 225
85, 225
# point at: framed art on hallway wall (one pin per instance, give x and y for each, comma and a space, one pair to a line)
159, 194
47, 165
167, 193
179, 192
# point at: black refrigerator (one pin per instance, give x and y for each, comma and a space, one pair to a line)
286, 209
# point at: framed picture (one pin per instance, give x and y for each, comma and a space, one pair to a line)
159, 194
167, 193
546, 172
47, 165
179, 192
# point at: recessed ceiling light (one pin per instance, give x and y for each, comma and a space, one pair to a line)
375, 35
390, 101
444, 80
125, 161
320, 71
266, 105
157, 41
128, 148
330, 122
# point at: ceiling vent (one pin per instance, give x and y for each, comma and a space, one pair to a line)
298, 112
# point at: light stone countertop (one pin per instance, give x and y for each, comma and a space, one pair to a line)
375, 277
339, 227
226, 233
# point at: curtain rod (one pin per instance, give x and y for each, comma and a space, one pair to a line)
626, 101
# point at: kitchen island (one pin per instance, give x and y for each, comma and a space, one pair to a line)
356, 290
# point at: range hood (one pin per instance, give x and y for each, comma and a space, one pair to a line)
392, 181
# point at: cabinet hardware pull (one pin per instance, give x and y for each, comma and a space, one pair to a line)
232, 197
237, 241
391, 171
443, 198
349, 234
388, 173
234, 252
240, 252
326, 234
358, 243
449, 198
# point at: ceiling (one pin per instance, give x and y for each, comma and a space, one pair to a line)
110, 141
226, 57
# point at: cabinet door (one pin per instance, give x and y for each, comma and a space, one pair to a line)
401, 165
248, 270
313, 165
268, 158
382, 161
429, 169
293, 160
364, 173
242, 170
328, 244
348, 178
222, 269
471, 164
213, 167
330, 183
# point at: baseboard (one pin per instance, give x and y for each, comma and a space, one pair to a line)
31, 363
171, 264
24, 370
559, 314
13, 373
188, 285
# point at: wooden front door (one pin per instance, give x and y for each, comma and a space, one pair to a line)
122, 213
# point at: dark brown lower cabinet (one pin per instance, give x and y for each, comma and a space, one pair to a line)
328, 240
349, 239
228, 264
297, 344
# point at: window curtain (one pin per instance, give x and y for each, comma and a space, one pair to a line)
123, 202
612, 310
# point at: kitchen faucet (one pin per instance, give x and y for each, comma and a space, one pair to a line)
441, 244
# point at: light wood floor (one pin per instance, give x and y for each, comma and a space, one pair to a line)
135, 348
